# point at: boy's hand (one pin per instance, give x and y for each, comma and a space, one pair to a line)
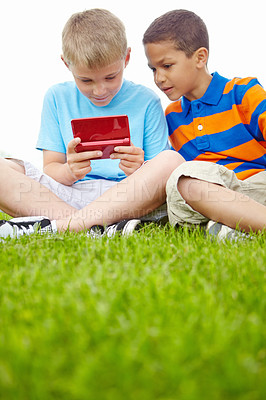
79, 164
131, 158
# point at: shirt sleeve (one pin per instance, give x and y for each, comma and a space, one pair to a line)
50, 137
155, 130
253, 106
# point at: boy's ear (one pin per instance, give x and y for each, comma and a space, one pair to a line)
202, 55
66, 64
127, 58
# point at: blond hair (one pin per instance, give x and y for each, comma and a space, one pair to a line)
93, 38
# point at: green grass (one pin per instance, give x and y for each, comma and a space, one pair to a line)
163, 314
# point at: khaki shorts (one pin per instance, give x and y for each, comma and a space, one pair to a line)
180, 213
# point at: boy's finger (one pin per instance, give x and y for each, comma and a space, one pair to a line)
124, 156
126, 163
82, 172
128, 149
82, 164
89, 155
93, 154
73, 143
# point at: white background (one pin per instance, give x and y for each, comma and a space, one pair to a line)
30, 33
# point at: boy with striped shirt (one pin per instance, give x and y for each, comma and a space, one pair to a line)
218, 125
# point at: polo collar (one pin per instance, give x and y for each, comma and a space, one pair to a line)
212, 95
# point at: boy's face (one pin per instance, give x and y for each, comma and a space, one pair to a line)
174, 73
100, 85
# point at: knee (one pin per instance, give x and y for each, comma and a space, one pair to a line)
190, 189
170, 159
6, 165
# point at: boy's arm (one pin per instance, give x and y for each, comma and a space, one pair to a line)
253, 104
68, 168
54, 165
262, 122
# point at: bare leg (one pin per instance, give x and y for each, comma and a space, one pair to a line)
14, 165
20, 195
134, 197
223, 205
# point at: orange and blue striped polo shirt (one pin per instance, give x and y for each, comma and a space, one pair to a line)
227, 125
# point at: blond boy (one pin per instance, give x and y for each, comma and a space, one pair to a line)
96, 53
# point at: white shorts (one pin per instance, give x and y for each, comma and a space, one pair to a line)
180, 213
78, 195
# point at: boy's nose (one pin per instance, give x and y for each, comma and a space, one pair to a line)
99, 90
159, 77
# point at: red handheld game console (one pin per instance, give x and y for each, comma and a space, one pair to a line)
101, 133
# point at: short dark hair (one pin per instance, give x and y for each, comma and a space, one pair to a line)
183, 27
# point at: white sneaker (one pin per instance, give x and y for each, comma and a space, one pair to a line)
17, 227
124, 228
223, 232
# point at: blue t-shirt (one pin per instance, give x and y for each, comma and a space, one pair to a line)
64, 102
